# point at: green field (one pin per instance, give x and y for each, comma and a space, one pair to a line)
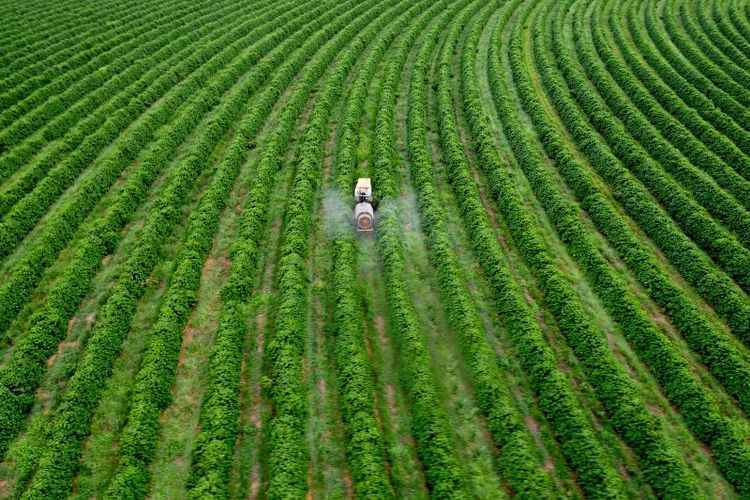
554, 302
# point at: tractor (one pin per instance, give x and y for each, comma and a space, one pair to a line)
364, 214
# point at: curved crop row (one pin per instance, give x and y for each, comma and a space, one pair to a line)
736, 108
70, 424
60, 228
72, 419
706, 44
739, 22
156, 375
24, 33
133, 91
517, 462
697, 405
35, 103
591, 156
17, 19
63, 45
709, 106
711, 343
56, 126
32, 104
727, 28
23, 372
52, 34
151, 392
435, 446
553, 388
744, 16
696, 57
21, 82
665, 469
711, 31
25, 21
220, 409
685, 128
22, 218
365, 450
690, 216
655, 122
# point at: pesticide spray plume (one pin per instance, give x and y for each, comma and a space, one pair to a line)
337, 214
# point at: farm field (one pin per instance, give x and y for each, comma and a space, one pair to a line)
554, 301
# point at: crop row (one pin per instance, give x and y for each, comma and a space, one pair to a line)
288, 456
737, 21
55, 126
697, 405
24, 215
719, 291
17, 26
733, 68
665, 470
72, 420
22, 373
57, 31
23, 37
435, 447
645, 128
518, 463
151, 390
365, 449
716, 36
48, 102
711, 343
686, 90
552, 387
61, 226
156, 375
445, 475
129, 94
727, 29
36, 102
734, 47
17, 17
61, 47
682, 125
220, 411
744, 18
23, 81
721, 98
695, 56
